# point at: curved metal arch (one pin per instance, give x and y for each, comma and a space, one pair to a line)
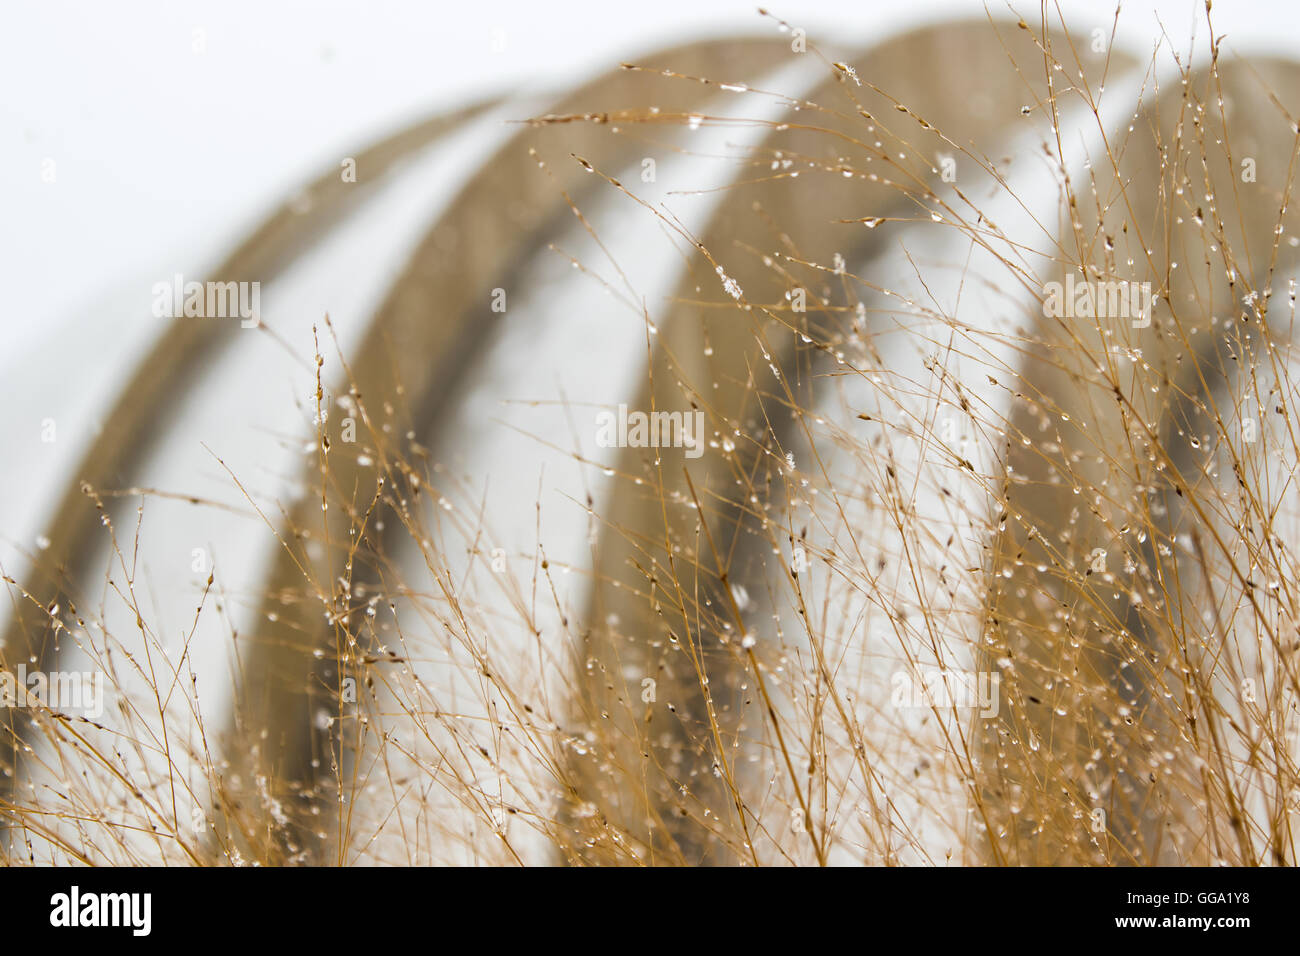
410, 363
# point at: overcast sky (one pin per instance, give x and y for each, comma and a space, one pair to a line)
173, 125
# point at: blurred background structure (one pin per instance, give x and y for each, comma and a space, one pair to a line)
500, 584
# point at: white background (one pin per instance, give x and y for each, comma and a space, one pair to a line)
163, 156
